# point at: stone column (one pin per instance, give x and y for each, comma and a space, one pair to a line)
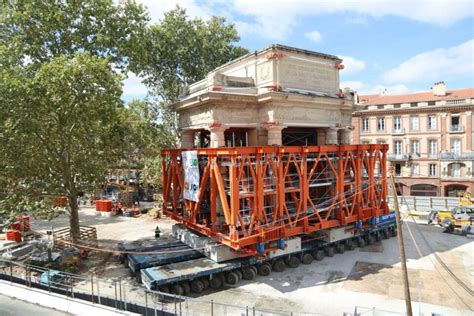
345, 136
217, 136
187, 138
274, 135
331, 136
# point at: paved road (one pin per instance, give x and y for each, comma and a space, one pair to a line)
11, 306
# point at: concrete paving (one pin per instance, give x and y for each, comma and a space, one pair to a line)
13, 307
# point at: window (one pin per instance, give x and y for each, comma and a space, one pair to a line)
456, 146
456, 170
433, 147
397, 145
414, 123
415, 170
397, 106
455, 122
365, 142
397, 123
415, 148
398, 169
457, 101
380, 107
431, 103
365, 124
413, 105
380, 123
432, 169
423, 190
381, 141
432, 122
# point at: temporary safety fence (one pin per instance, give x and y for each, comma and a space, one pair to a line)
119, 294
247, 195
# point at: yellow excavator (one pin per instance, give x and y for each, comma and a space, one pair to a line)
459, 217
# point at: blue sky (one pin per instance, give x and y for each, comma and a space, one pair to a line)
402, 46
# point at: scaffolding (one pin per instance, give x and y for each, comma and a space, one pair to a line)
249, 195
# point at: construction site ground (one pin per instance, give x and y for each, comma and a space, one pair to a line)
365, 277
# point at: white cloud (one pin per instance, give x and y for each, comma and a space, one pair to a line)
363, 88
276, 18
133, 88
314, 36
438, 64
351, 65
157, 8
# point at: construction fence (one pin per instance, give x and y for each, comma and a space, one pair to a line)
425, 203
118, 294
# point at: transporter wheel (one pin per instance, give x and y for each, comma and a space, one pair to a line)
232, 278
249, 274
205, 282
319, 255
164, 289
239, 274
340, 248
385, 234
197, 286
279, 266
378, 236
330, 251
254, 268
186, 287
307, 258
361, 242
393, 231
177, 289
216, 282
350, 245
370, 239
265, 269
293, 262
138, 277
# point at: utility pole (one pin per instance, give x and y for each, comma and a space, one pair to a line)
401, 246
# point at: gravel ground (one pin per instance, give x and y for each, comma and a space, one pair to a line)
369, 277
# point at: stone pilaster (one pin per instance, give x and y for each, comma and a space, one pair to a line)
345, 136
331, 136
187, 138
274, 135
217, 136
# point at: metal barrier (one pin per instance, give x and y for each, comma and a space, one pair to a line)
118, 294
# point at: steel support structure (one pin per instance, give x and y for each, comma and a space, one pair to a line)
250, 195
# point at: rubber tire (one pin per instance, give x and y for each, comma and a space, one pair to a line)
330, 251
177, 289
164, 289
307, 258
254, 268
340, 248
215, 283
378, 236
232, 278
385, 234
293, 262
205, 282
186, 287
279, 266
248, 274
349, 245
361, 243
197, 286
394, 232
239, 274
265, 269
370, 240
319, 255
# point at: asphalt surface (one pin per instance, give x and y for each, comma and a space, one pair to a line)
11, 306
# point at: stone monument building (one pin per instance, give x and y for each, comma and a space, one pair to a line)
279, 95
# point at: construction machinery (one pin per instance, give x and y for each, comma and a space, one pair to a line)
253, 210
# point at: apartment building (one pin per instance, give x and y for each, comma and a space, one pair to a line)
431, 137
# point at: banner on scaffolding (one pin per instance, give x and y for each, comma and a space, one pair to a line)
191, 175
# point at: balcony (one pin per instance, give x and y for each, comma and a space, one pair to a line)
398, 131
456, 128
397, 157
469, 155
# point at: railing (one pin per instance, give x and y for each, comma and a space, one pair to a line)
398, 131
117, 293
469, 155
456, 128
395, 157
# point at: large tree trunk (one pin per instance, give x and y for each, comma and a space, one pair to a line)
74, 215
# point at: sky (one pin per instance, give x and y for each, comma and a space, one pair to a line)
402, 46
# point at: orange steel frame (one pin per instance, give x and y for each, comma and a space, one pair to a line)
249, 195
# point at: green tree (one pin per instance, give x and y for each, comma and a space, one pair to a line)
180, 51
58, 130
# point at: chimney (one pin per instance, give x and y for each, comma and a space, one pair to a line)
439, 89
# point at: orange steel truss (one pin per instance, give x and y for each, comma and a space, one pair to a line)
250, 195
